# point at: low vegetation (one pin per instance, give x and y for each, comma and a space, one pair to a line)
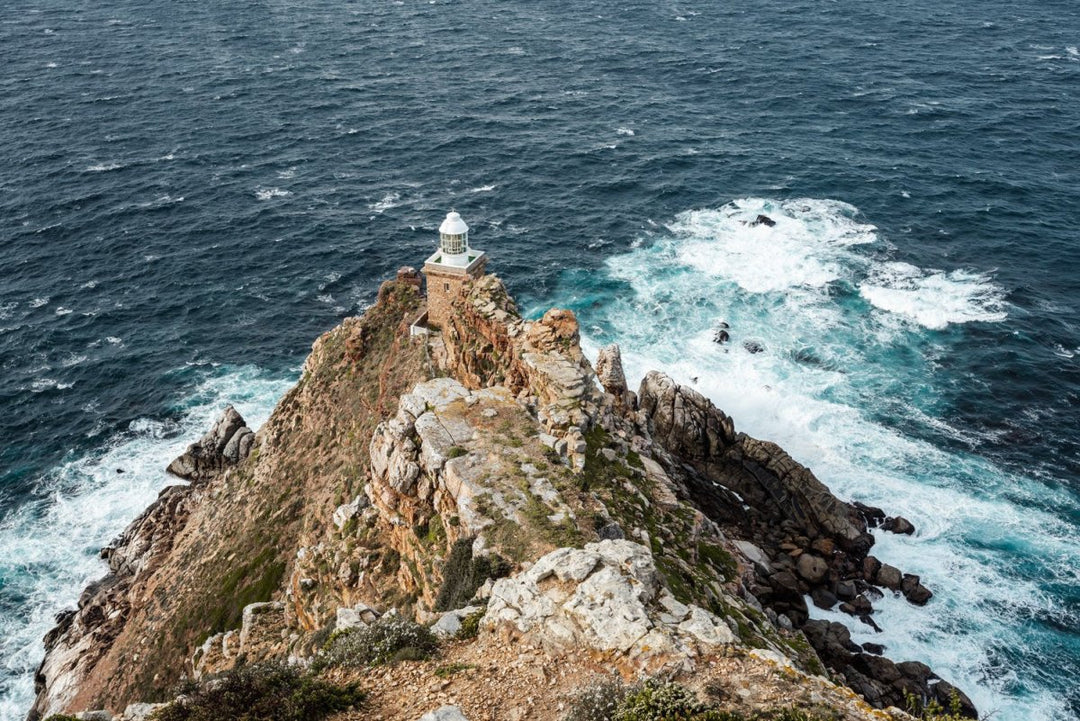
266, 692
470, 625
464, 573
388, 640
653, 700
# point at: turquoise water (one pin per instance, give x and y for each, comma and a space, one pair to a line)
191, 192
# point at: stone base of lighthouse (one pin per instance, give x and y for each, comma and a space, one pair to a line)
444, 282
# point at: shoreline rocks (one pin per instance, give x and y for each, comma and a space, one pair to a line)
227, 443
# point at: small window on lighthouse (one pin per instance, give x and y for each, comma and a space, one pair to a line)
446, 287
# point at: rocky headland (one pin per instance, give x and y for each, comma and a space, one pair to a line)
488, 476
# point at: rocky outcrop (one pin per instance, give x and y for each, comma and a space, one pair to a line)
690, 427
638, 534
82, 636
488, 343
877, 679
226, 444
609, 372
607, 598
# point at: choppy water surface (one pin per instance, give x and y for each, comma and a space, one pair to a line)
190, 192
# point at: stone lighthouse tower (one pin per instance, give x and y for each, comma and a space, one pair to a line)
449, 267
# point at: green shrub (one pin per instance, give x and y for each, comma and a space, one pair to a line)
61, 717
463, 574
388, 640
470, 625
266, 692
451, 668
654, 701
612, 700
597, 702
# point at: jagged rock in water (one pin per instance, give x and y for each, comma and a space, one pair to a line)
762, 220
754, 346
879, 680
226, 444
690, 427
899, 524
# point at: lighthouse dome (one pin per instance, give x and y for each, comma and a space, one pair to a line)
453, 225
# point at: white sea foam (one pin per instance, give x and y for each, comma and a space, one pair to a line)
268, 193
38, 302
807, 247
48, 546
934, 299
625, 131
482, 189
809, 392
388, 201
104, 167
63, 311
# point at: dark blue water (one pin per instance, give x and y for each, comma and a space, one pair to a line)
191, 192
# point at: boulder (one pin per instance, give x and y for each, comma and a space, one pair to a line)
889, 577
812, 568
870, 568
914, 591
823, 598
845, 590
610, 532
444, 713
449, 623
899, 524
873, 515
141, 711
227, 443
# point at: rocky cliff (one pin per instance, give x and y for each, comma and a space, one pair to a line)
487, 472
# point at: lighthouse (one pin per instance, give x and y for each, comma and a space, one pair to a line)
449, 267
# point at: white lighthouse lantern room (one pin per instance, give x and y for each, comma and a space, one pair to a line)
454, 236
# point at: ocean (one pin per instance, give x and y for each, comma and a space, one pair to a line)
191, 192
